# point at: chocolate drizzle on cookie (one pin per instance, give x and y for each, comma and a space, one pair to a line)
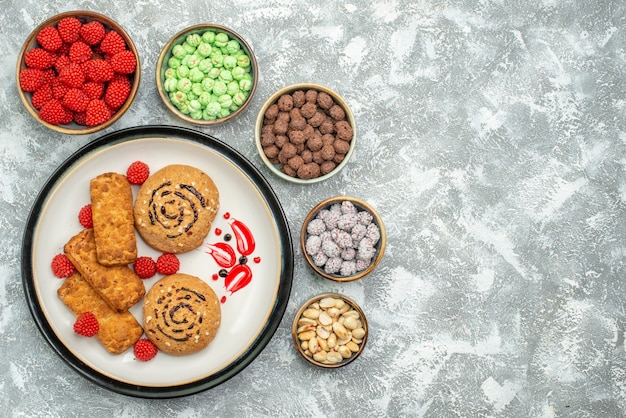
176, 211
181, 314
178, 316
175, 207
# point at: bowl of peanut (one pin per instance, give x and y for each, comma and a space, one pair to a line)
343, 238
330, 330
305, 133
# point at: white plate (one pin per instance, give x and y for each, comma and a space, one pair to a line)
250, 316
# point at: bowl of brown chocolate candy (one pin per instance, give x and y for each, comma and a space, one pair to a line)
305, 133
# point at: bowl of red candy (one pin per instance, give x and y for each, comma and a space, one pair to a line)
78, 72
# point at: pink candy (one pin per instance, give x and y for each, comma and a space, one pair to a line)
341, 239
313, 244
316, 227
347, 221
333, 265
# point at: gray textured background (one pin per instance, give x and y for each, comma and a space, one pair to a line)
491, 139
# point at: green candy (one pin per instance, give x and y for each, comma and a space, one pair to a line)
207, 116
173, 63
170, 84
217, 58
213, 73
213, 108
232, 88
193, 39
224, 112
207, 84
191, 60
219, 88
184, 85
204, 49
226, 76
177, 98
225, 101
238, 73
243, 61
190, 49
182, 71
233, 46
170, 73
178, 51
204, 98
208, 37
197, 89
221, 39
184, 108
239, 98
194, 105
229, 62
245, 84
205, 65
196, 75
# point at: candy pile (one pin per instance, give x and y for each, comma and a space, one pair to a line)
208, 76
342, 239
306, 133
78, 71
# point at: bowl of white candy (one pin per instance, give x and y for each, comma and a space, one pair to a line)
343, 238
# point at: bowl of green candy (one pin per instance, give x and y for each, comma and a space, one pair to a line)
206, 74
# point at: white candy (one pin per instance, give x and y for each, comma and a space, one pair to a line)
344, 237
358, 232
348, 268
347, 221
330, 248
313, 244
316, 227
365, 218
348, 207
373, 233
333, 265
320, 259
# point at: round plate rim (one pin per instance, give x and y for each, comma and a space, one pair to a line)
280, 304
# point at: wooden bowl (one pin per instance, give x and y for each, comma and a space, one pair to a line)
327, 340
74, 128
280, 167
364, 268
202, 116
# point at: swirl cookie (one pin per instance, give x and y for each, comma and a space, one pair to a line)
175, 207
181, 314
